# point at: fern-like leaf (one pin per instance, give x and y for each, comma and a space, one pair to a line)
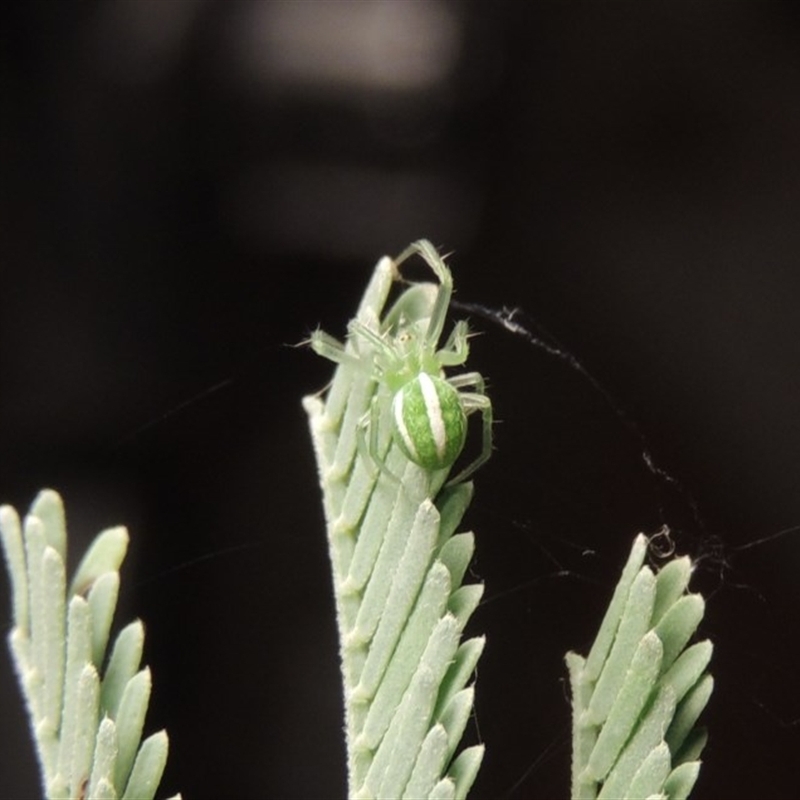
636, 698
87, 729
397, 574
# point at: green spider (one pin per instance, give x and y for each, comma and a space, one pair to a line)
429, 410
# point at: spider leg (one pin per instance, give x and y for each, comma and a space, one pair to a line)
369, 449
385, 353
327, 346
362, 446
467, 379
475, 401
432, 258
456, 348
357, 328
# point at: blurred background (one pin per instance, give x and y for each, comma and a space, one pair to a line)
190, 186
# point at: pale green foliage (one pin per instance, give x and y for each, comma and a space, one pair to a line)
87, 729
397, 572
637, 696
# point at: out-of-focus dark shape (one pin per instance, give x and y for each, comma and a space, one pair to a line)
138, 41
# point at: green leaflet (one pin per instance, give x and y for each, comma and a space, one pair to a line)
396, 559
87, 727
638, 695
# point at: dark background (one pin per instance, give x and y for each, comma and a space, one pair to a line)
189, 186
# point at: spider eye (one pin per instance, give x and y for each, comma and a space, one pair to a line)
429, 423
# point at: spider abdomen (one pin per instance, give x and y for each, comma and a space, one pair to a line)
429, 423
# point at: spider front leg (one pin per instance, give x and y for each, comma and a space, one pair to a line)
357, 329
327, 346
351, 354
432, 258
471, 402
